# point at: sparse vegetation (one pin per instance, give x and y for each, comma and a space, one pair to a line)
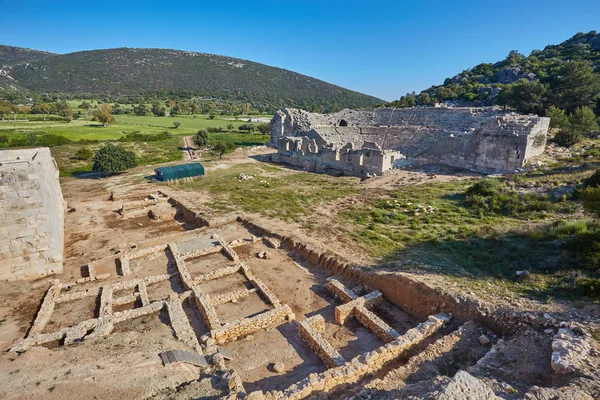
83, 154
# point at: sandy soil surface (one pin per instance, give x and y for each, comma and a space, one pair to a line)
126, 364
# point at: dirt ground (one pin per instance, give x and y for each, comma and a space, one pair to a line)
125, 364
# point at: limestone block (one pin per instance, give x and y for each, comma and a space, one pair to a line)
46, 309
219, 273
310, 330
246, 326
106, 300
228, 250
338, 290
180, 323
375, 324
570, 352
207, 309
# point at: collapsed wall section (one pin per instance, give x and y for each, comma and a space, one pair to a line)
31, 215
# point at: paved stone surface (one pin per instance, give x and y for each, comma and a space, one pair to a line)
172, 356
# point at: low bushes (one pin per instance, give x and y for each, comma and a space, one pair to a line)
141, 137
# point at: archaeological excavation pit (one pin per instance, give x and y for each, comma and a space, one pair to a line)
247, 303
265, 313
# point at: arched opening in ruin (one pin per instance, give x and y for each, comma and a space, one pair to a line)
343, 122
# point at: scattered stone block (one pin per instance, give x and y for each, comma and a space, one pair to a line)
279, 367
483, 340
265, 255
228, 355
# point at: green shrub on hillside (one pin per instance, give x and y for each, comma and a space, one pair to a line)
567, 138
593, 181
83, 154
485, 187
111, 159
591, 200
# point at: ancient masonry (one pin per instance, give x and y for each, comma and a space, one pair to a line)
111, 298
371, 142
180, 288
31, 215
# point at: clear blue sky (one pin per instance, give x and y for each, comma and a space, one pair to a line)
383, 48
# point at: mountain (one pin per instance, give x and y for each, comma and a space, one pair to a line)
536, 81
127, 71
11, 56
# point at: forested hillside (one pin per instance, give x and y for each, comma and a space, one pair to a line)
125, 73
566, 76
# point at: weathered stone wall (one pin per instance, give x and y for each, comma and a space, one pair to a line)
362, 365
371, 142
310, 331
245, 326
31, 215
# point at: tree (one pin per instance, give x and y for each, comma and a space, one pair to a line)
201, 138
41, 108
111, 159
5, 109
176, 124
558, 118
222, 148
103, 114
423, 99
158, 110
230, 126
141, 110
264, 128
524, 96
575, 85
247, 127
584, 121
514, 58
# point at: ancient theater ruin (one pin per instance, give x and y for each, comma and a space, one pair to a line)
364, 143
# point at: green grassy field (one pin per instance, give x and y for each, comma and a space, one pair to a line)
288, 195
85, 133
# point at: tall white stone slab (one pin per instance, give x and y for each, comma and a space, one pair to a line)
31, 215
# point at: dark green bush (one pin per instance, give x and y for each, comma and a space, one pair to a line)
584, 249
567, 138
111, 159
593, 181
212, 129
141, 137
247, 127
264, 128
485, 187
589, 287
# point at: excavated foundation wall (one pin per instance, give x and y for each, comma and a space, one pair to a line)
31, 215
366, 142
413, 296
